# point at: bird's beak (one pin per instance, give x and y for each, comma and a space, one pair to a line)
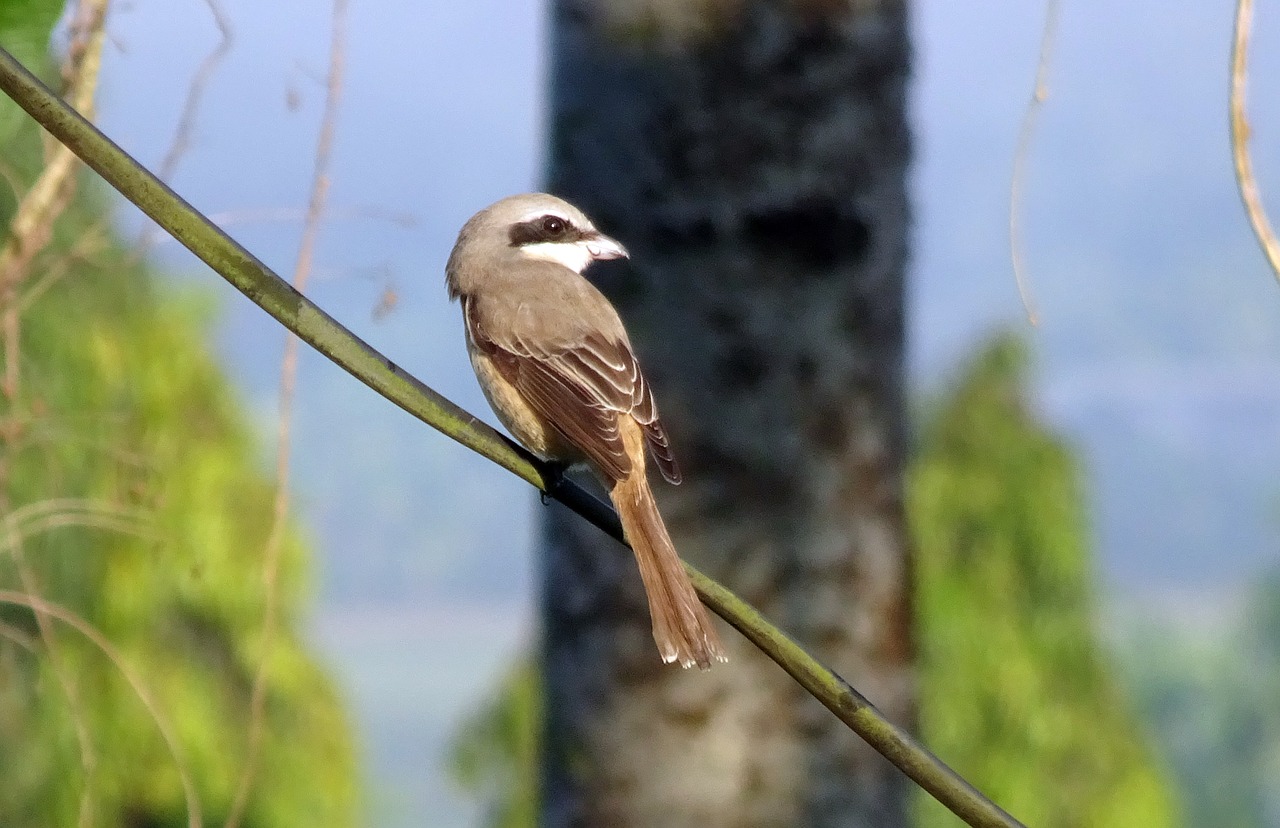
602, 248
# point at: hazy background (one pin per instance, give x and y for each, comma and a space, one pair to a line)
1159, 348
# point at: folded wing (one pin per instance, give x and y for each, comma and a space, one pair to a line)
581, 385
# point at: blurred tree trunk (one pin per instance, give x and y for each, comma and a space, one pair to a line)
752, 154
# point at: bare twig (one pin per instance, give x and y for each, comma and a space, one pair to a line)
1025, 134
91, 241
32, 224
1245, 180
42, 608
293, 310
287, 215
387, 302
38, 428
190, 110
18, 637
195, 91
288, 382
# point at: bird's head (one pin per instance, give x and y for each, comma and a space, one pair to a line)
531, 226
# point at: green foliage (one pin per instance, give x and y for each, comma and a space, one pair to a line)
495, 754
1211, 690
121, 405
1016, 692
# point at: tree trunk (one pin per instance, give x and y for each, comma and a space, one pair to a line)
752, 155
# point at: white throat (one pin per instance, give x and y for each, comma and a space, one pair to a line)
573, 255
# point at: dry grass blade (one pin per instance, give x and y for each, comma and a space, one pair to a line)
44, 516
48, 515
18, 637
41, 607
195, 91
1245, 179
44, 508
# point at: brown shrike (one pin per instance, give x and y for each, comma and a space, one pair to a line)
556, 365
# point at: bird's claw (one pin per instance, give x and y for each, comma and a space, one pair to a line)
553, 478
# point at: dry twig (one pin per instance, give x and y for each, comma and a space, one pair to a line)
1038, 96
1245, 179
32, 224
182, 135
288, 382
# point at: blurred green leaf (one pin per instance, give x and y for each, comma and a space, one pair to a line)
495, 753
1211, 688
1017, 691
122, 406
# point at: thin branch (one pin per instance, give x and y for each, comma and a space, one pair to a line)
195, 91
1248, 184
18, 637
322, 332
288, 384
1025, 134
292, 214
41, 607
190, 109
91, 241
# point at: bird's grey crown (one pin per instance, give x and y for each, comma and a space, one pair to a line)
517, 221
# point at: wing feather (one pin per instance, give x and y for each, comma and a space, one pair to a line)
580, 384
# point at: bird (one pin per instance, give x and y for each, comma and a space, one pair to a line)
555, 363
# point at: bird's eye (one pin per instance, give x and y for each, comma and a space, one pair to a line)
553, 225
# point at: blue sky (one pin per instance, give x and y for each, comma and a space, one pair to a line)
1159, 317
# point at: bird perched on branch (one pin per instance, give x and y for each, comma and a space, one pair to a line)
554, 361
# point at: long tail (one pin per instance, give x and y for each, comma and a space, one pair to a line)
681, 626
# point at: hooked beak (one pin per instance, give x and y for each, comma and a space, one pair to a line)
603, 248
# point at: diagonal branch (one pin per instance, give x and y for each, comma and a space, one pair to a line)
322, 332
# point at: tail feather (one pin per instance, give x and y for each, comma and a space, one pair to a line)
681, 626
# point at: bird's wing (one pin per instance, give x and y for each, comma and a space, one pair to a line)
578, 379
